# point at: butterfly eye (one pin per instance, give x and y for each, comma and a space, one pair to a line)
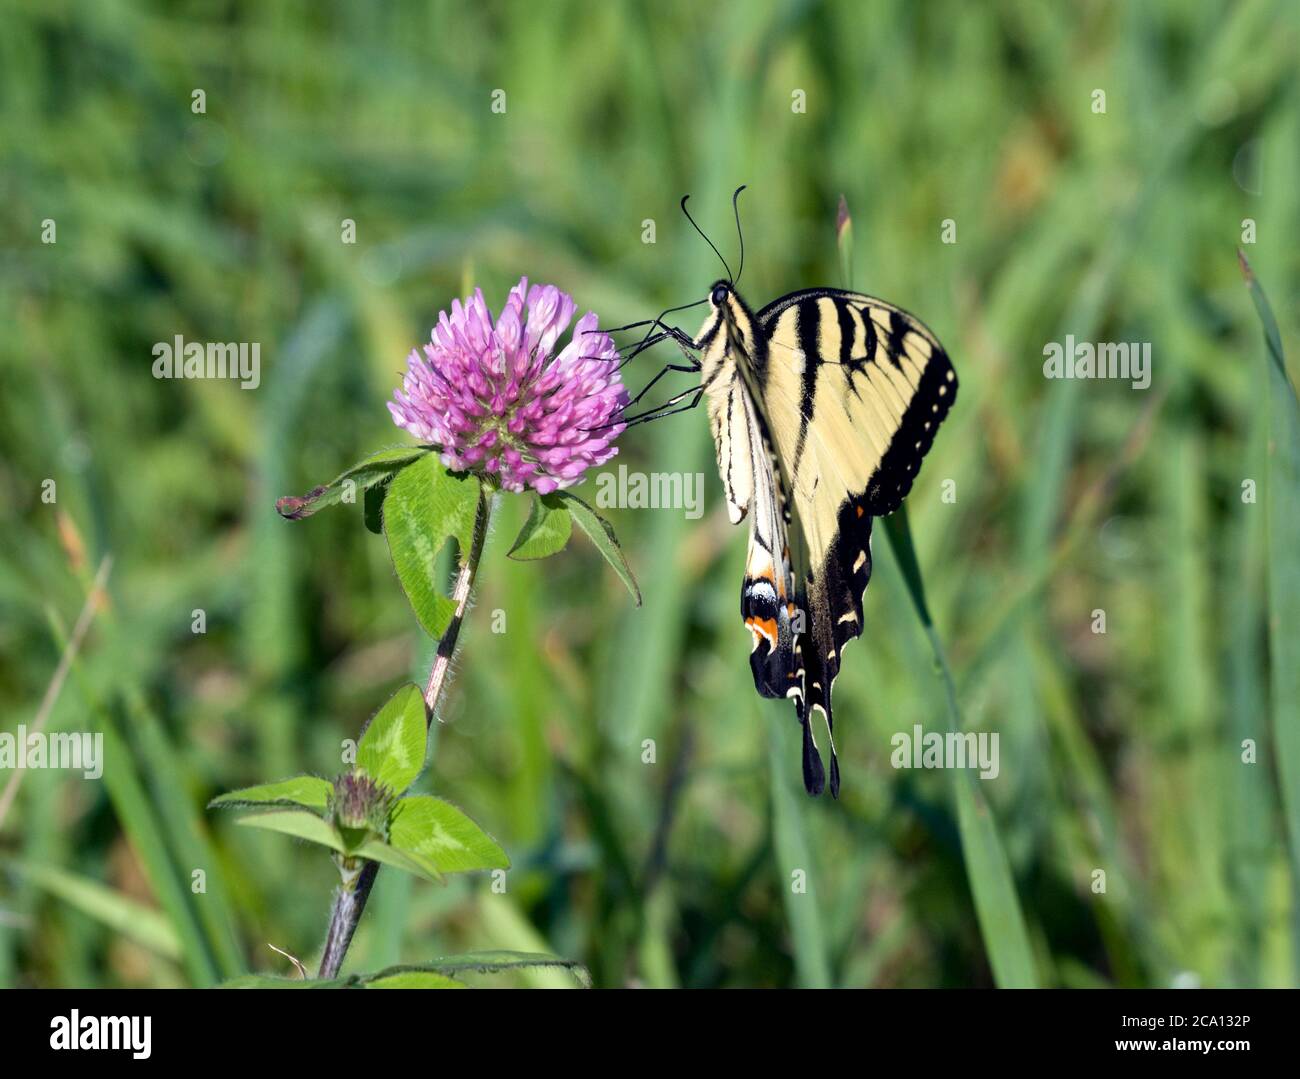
719, 296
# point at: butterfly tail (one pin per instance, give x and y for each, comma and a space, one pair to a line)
835, 761
814, 774
813, 675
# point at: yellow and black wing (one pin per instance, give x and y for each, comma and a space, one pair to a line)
851, 391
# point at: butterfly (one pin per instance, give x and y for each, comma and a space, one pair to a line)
822, 406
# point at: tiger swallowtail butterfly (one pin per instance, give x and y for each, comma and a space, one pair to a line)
822, 406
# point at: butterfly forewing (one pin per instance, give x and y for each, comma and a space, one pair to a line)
867, 376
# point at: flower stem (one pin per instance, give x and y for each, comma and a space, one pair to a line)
350, 900
459, 596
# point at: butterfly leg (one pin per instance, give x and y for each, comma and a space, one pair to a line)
683, 341
658, 412
667, 409
667, 367
646, 342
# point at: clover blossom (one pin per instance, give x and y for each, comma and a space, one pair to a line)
497, 399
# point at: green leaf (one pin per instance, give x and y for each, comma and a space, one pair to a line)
1282, 497
486, 962
270, 981
146, 926
438, 831
311, 792
545, 532
391, 750
377, 468
407, 861
300, 823
601, 533
426, 507
435, 974
373, 508
997, 906
415, 979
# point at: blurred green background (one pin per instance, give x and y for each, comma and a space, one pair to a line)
1119, 751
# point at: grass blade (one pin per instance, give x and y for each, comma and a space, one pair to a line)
146, 926
996, 904
142, 824
798, 877
1282, 494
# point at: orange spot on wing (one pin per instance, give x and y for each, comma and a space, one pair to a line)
765, 626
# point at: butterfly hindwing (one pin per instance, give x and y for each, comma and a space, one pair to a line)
766, 605
831, 594
767, 595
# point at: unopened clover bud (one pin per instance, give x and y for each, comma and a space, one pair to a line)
360, 802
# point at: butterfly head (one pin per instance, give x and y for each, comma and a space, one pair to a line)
726, 308
728, 334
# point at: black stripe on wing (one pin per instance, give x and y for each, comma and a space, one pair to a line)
929, 406
809, 329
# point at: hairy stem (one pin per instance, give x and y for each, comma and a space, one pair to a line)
350, 900
459, 596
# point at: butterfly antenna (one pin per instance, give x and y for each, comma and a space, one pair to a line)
706, 239
735, 205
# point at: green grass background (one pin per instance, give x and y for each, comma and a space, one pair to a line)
1120, 751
